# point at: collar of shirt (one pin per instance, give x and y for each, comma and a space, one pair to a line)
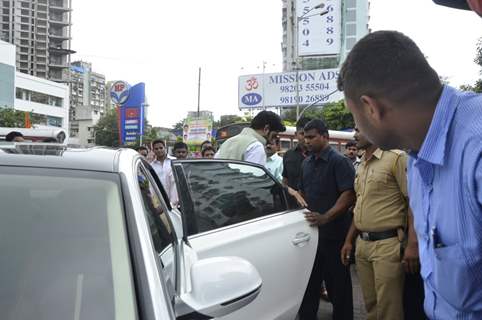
274, 157
433, 147
323, 154
301, 151
378, 153
168, 157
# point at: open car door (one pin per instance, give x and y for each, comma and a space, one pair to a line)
235, 208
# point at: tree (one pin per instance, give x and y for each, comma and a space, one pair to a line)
228, 119
11, 118
335, 115
477, 87
179, 125
107, 130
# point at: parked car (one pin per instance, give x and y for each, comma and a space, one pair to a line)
90, 234
86, 234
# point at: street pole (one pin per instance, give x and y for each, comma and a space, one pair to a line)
199, 93
264, 68
298, 19
297, 67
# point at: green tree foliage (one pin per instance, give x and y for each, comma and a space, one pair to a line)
477, 87
179, 125
335, 115
107, 130
11, 118
228, 119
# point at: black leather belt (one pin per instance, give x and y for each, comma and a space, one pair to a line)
381, 235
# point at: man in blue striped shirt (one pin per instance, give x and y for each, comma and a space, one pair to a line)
398, 101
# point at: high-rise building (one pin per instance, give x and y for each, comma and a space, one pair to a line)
41, 31
45, 100
87, 103
333, 35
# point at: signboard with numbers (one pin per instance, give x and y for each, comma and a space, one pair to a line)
288, 88
319, 35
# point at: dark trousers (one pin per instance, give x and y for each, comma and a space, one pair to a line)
413, 296
337, 278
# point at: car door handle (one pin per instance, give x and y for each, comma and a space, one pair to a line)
300, 239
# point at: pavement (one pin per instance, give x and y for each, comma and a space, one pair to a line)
324, 313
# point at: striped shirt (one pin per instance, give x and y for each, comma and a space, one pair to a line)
445, 190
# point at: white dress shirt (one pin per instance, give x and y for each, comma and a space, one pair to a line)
165, 174
275, 165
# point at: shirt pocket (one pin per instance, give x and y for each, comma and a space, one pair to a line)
451, 276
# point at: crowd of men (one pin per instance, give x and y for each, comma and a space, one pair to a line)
403, 203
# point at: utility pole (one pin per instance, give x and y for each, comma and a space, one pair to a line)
199, 93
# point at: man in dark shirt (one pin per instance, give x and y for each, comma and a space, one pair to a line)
326, 182
293, 159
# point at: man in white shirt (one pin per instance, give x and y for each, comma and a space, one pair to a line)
162, 165
274, 163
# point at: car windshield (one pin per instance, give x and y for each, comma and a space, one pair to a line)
63, 245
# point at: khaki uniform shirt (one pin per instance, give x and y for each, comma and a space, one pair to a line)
381, 190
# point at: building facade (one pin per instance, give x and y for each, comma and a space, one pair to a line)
88, 102
41, 31
47, 101
352, 19
7, 74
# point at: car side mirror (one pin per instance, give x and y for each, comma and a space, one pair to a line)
220, 286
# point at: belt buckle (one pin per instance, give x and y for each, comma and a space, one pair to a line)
365, 236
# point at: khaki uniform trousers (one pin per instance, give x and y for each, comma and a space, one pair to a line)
381, 275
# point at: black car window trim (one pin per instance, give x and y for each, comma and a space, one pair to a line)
187, 204
155, 182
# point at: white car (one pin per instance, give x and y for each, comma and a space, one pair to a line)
90, 234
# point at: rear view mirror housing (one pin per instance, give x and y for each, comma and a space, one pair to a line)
220, 286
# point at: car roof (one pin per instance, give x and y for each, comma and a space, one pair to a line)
57, 156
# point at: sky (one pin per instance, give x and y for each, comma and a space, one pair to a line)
163, 43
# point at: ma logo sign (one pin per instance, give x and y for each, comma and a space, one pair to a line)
119, 92
251, 99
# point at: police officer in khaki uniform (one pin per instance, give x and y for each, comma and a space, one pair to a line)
381, 216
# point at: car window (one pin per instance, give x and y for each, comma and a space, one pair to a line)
161, 230
224, 193
63, 243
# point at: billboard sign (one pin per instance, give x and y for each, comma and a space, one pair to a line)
197, 129
288, 89
131, 114
310, 40
119, 92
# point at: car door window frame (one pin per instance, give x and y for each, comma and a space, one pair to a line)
187, 204
147, 171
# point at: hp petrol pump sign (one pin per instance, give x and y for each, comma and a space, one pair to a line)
119, 92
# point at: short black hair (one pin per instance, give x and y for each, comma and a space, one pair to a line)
205, 142
317, 124
388, 64
12, 135
267, 118
208, 148
139, 148
158, 141
350, 144
301, 123
179, 145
